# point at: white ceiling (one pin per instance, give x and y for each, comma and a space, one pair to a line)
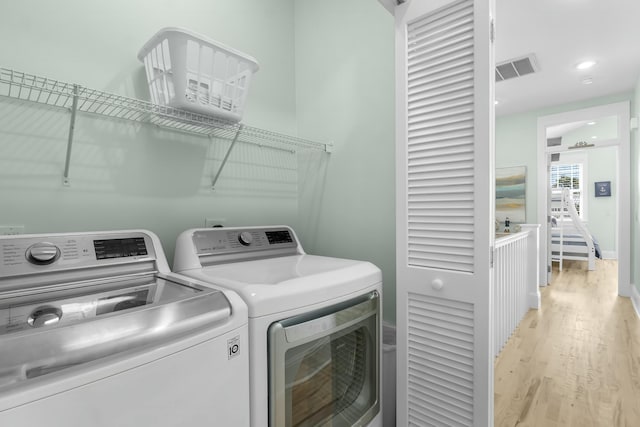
562, 33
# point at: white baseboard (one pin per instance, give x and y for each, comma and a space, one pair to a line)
635, 299
609, 255
534, 300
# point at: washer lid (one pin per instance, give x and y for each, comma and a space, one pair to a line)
69, 325
277, 284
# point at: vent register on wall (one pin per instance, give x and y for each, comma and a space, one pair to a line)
197, 86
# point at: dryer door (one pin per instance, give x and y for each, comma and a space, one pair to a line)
324, 366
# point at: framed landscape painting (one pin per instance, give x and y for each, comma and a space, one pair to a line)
511, 193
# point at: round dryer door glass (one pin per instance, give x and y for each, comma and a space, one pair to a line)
331, 380
324, 370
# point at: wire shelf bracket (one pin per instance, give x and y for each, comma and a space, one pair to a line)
72, 126
226, 157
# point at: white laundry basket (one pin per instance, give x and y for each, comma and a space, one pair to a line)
188, 71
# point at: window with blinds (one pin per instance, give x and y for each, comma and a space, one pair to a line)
570, 176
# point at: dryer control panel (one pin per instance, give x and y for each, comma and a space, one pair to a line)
228, 244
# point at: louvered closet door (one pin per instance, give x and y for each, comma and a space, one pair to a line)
445, 198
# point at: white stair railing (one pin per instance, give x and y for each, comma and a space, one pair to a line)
515, 287
568, 206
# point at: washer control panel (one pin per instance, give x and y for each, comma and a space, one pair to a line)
33, 253
220, 241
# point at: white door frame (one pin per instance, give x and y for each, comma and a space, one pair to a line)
623, 190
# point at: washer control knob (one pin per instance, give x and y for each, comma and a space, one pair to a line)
44, 316
43, 253
245, 238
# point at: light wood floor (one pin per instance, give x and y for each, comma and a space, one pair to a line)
575, 362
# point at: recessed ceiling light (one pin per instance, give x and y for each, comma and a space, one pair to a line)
594, 137
591, 123
587, 80
585, 65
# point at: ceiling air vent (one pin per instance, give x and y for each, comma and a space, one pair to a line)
516, 68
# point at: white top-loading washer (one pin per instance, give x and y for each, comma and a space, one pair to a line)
314, 323
96, 331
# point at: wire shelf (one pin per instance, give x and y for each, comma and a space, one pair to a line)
42, 90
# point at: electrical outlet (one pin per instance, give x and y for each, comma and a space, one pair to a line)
214, 222
10, 230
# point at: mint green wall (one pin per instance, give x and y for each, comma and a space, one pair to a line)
345, 93
516, 142
516, 146
635, 194
601, 219
326, 73
605, 128
126, 175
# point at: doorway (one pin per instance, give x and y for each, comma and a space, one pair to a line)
571, 135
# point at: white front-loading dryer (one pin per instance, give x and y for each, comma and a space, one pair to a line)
314, 324
96, 331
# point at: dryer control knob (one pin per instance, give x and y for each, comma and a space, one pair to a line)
245, 238
43, 253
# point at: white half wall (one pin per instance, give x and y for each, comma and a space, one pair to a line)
635, 300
